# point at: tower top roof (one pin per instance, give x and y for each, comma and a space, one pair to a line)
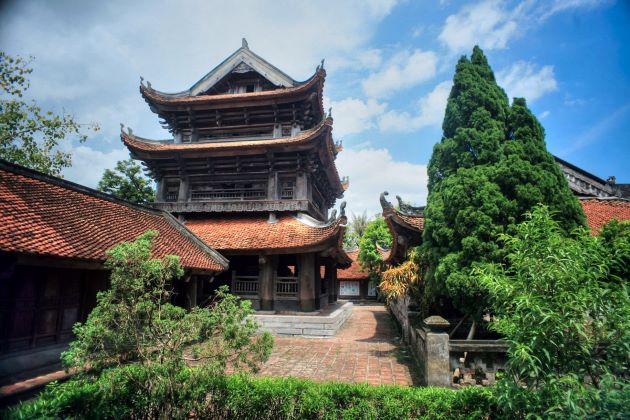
240, 61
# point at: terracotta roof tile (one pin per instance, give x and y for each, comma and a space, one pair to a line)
355, 271
140, 144
47, 216
599, 212
152, 95
253, 232
416, 222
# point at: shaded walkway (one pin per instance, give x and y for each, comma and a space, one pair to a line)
367, 348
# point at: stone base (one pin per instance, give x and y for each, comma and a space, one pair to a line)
324, 323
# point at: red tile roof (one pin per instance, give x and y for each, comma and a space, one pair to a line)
43, 215
254, 232
154, 96
135, 143
355, 271
416, 222
600, 211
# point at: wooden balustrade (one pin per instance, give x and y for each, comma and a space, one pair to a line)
244, 285
286, 287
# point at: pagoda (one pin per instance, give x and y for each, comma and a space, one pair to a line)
250, 169
405, 224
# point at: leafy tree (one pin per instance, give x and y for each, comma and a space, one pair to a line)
355, 230
376, 235
134, 322
562, 305
30, 136
127, 182
490, 167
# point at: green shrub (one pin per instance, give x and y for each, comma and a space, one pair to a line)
116, 394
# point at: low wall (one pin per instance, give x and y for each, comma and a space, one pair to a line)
476, 362
445, 362
316, 325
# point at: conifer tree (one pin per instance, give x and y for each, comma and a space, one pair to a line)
490, 167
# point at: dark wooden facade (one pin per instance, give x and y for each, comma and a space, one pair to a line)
53, 239
252, 157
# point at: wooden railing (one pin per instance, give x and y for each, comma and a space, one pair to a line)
286, 287
228, 195
244, 285
286, 193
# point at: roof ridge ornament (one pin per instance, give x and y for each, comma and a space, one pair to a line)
384, 203
342, 210
408, 208
244, 44
333, 216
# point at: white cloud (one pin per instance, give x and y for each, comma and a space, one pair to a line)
88, 164
596, 132
354, 115
491, 24
487, 24
523, 80
100, 52
360, 59
562, 5
403, 70
544, 115
373, 171
430, 112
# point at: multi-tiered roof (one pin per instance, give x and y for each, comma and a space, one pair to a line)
246, 137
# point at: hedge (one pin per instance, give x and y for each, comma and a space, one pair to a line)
114, 395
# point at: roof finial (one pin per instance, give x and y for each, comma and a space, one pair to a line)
384, 203
330, 112
130, 131
141, 80
245, 45
321, 66
342, 209
122, 127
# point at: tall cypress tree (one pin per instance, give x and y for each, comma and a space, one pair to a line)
490, 167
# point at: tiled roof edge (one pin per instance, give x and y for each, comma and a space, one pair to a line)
60, 182
181, 228
578, 169
586, 198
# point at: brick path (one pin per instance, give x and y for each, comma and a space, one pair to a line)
365, 349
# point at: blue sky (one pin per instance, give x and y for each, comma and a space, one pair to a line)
389, 66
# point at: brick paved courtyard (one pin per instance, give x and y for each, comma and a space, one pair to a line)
367, 348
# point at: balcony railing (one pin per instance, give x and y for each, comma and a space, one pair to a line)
286, 193
245, 285
228, 195
286, 287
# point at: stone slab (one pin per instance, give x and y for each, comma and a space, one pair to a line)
323, 324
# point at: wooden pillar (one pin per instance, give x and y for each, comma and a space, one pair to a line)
267, 266
330, 282
306, 279
301, 186
335, 282
318, 283
183, 189
160, 194
272, 186
191, 292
